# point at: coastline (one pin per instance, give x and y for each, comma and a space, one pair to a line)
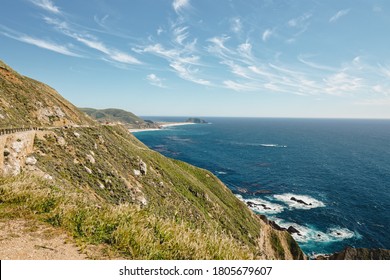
160, 125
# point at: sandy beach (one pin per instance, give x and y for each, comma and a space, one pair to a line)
161, 125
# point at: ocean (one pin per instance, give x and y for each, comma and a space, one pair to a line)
328, 178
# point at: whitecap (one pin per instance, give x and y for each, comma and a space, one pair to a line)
340, 233
273, 145
221, 172
299, 201
310, 234
261, 206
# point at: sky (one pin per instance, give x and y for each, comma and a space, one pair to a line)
238, 58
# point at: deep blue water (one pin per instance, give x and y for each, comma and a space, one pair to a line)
340, 167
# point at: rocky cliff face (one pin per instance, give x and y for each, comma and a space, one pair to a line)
350, 253
117, 179
15, 150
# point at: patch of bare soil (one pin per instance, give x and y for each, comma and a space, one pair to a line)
32, 240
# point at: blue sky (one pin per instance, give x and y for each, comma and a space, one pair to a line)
254, 58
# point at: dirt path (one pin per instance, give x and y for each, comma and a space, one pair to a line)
32, 240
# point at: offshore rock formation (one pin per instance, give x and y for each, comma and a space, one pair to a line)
350, 253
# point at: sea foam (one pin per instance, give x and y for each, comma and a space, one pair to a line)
310, 234
299, 201
262, 206
273, 145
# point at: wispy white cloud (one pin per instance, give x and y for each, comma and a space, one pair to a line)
112, 54
298, 25
47, 45
102, 22
179, 5
180, 34
236, 86
159, 30
46, 5
44, 44
300, 21
235, 25
180, 52
187, 72
153, 79
377, 9
267, 34
314, 65
341, 83
338, 15
217, 46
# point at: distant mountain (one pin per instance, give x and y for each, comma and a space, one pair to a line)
102, 186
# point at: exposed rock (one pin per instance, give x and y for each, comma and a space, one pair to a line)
262, 192
31, 160
47, 177
195, 120
300, 201
161, 184
90, 158
17, 146
89, 171
137, 172
350, 253
6, 152
292, 230
274, 225
143, 167
58, 112
252, 204
76, 134
61, 141
143, 201
101, 186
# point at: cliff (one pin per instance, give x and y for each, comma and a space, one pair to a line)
350, 253
103, 187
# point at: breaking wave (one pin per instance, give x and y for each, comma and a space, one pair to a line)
299, 201
261, 206
310, 234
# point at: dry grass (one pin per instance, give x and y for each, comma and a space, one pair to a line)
128, 230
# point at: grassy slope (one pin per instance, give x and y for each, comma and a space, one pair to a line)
26, 102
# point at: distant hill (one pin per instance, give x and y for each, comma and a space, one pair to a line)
112, 115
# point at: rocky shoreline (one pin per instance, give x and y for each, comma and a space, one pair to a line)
349, 253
